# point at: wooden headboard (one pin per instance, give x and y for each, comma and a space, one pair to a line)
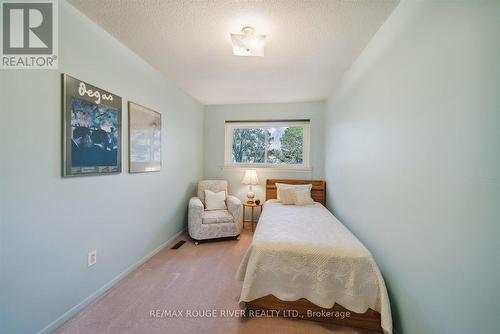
318, 192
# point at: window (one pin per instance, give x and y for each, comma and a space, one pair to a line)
283, 144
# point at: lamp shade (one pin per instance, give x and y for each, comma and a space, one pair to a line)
250, 177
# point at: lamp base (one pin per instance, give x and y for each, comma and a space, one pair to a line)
250, 196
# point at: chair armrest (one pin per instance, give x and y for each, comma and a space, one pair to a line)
195, 214
236, 209
233, 203
195, 205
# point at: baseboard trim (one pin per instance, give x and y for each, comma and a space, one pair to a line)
99, 292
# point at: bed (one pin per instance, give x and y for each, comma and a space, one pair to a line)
303, 259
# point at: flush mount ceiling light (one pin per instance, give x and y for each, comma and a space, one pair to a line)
248, 43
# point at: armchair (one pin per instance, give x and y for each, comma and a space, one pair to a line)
210, 224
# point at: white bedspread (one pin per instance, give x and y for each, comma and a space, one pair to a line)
305, 252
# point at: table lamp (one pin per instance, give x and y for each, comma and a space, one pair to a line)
250, 178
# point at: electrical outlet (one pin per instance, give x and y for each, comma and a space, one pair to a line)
91, 258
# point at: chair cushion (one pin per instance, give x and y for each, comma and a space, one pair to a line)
216, 217
212, 185
215, 201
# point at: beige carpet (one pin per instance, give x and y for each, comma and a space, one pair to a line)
190, 278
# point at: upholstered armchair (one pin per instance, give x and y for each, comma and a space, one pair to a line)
210, 224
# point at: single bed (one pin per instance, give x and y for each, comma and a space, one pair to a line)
302, 258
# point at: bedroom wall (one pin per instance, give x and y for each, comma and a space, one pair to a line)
413, 162
215, 117
50, 223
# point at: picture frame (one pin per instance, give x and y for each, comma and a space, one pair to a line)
144, 134
91, 138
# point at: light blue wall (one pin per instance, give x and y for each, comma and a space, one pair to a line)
50, 223
216, 115
413, 162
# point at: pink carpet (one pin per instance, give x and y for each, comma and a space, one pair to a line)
188, 279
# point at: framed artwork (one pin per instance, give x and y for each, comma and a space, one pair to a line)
91, 129
144, 135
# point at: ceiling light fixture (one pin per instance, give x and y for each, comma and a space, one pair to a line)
248, 43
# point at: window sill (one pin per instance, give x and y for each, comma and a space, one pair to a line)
268, 169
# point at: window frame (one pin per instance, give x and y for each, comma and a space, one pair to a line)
228, 144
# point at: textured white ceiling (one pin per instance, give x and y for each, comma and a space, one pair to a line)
310, 44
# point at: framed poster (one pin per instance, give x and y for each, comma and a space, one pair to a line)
91, 129
144, 135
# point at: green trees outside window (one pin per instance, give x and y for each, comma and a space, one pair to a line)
282, 145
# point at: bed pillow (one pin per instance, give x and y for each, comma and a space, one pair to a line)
215, 201
288, 196
281, 186
303, 197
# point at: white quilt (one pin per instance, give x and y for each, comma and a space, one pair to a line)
305, 252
